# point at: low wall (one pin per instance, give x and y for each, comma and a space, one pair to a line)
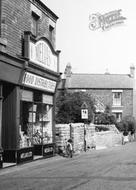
108, 138
81, 133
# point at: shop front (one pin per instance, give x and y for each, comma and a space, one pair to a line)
27, 96
36, 116
28, 113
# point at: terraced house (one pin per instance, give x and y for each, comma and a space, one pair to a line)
29, 72
116, 90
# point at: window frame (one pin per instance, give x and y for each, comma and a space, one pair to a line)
117, 98
35, 22
51, 29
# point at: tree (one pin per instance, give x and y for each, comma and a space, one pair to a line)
106, 117
68, 107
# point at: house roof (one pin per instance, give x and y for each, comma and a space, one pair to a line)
98, 81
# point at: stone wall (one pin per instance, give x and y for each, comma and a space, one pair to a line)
108, 139
81, 133
62, 134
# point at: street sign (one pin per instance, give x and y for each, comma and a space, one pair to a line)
84, 106
84, 113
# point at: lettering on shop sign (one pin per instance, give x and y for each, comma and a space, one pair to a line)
41, 54
106, 21
36, 81
49, 149
26, 155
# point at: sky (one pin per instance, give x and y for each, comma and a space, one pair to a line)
96, 51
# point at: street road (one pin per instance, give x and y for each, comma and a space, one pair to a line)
106, 169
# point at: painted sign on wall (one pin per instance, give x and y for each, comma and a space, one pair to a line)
41, 54
36, 81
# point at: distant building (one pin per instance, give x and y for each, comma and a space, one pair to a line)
29, 72
114, 90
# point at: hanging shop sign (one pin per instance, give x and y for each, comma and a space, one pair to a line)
38, 82
41, 54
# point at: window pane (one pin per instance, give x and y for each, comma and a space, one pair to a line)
25, 128
118, 116
34, 24
42, 125
117, 99
37, 124
47, 124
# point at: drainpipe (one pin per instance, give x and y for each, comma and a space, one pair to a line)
1, 150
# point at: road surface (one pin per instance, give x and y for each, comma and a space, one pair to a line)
106, 169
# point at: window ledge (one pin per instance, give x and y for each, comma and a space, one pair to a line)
117, 106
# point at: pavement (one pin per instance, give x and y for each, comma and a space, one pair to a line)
56, 157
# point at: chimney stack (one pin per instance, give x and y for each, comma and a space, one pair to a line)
68, 72
132, 71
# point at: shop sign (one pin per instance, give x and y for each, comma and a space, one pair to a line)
41, 54
49, 149
36, 81
26, 155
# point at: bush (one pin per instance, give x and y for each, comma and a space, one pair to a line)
105, 118
128, 123
101, 128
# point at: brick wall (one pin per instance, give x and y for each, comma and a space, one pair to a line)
127, 102
105, 97
16, 18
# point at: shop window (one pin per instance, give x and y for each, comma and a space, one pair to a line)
26, 125
42, 124
34, 24
36, 119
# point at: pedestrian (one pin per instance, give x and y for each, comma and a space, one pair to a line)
125, 137
69, 148
93, 145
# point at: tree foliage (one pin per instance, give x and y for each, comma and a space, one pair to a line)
68, 107
128, 123
106, 117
